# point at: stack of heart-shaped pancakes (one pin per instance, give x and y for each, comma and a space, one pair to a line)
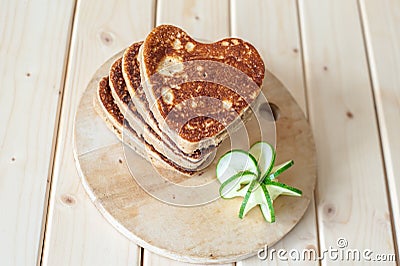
179, 97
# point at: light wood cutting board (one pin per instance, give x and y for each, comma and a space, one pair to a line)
209, 233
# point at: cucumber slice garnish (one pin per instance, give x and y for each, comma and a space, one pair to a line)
251, 175
265, 155
279, 169
234, 162
267, 209
276, 189
233, 186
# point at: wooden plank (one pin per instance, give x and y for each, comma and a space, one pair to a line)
34, 38
203, 19
275, 32
351, 193
76, 232
382, 33
154, 259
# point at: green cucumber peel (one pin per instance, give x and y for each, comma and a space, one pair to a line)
246, 198
271, 217
277, 170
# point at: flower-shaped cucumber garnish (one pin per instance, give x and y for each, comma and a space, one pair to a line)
253, 176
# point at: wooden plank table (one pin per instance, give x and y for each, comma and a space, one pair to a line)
339, 58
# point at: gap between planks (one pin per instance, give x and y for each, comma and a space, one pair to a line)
55, 136
307, 110
368, 51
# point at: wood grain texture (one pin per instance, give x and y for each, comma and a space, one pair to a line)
34, 38
77, 234
275, 32
206, 233
351, 192
205, 19
382, 34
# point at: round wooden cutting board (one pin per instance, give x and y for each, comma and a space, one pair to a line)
209, 233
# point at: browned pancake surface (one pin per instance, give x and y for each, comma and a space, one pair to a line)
108, 101
167, 45
133, 69
118, 82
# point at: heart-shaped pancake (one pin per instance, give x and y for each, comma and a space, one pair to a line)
196, 91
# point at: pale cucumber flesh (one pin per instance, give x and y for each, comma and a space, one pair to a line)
234, 162
265, 156
276, 189
259, 196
